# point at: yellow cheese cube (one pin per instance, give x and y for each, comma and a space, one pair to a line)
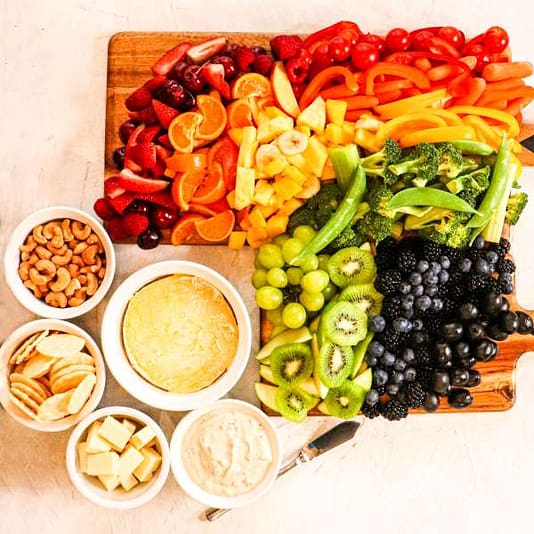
141, 438
82, 456
129, 460
335, 111
95, 442
110, 482
129, 425
151, 461
115, 432
128, 482
103, 463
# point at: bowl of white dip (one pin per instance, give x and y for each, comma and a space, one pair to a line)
226, 454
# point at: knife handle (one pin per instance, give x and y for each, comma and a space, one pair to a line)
214, 513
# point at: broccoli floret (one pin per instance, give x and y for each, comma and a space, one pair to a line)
514, 207
330, 194
347, 238
374, 226
450, 160
323, 214
302, 216
471, 185
421, 161
379, 196
377, 164
452, 232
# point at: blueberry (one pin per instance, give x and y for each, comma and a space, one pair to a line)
377, 324
525, 323
467, 362
417, 325
508, 321
410, 374
443, 277
506, 278
423, 303
482, 266
492, 256
496, 333
460, 398
375, 349
465, 265
508, 289
399, 365
404, 288
459, 377
467, 312
402, 325
462, 349
408, 355
493, 303
441, 382
445, 262
437, 304
485, 350
431, 291
475, 330
392, 389
372, 397
452, 331
478, 243
407, 302
422, 266
443, 353
435, 267
388, 359
371, 360
474, 379
380, 377
430, 278
416, 278
417, 290
397, 377
431, 402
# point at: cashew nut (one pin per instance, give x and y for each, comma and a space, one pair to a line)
30, 285
58, 251
37, 278
76, 301
33, 259
82, 278
73, 243
29, 245
25, 256
73, 269
101, 273
92, 284
67, 233
80, 231
57, 241
46, 267
73, 286
49, 229
92, 268
92, 239
62, 260
77, 260
58, 300
24, 271
63, 279
43, 252
43, 289
80, 247
37, 234
89, 254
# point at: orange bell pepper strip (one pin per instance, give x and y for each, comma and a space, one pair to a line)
413, 74
394, 128
338, 91
502, 116
392, 85
388, 96
360, 101
438, 135
325, 76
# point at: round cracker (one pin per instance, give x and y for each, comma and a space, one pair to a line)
38, 366
61, 345
30, 382
26, 399
78, 358
24, 351
43, 380
68, 381
71, 369
55, 407
37, 397
23, 408
81, 394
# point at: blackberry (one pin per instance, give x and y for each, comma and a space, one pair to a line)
505, 245
505, 266
414, 394
381, 389
431, 250
407, 261
388, 282
433, 324
387, 252
391, 340
494, 285
449, 307
424, 377
394, 410
454, 254
391, 307
423, 355
372, 411
477, 283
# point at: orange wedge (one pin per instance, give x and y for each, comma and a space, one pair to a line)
212, 187
216, 229
184, 186
184, 230
251, 84
239, 114
185, 162
214, 118
183, 129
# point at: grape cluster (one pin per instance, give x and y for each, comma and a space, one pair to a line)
443, 311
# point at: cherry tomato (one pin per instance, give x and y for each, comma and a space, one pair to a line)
353, 36
398, 40
452, 35
481, 53
365, 55
496, 39
373, 39
421, 39
339, 48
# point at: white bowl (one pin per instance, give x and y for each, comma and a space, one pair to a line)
15, 339
12, 260
181, 475
92, 489
117, 359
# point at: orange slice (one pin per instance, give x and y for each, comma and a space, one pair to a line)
214, 118
239, 114
182, 131
184, 186
184, 230
218, 228
251, 84
186, 162
212, 187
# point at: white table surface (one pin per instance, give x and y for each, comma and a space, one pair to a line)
427, 474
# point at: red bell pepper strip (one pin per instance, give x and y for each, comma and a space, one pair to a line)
402, 71
327, 33
407, 58
325, 76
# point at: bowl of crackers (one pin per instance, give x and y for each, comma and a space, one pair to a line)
52, 375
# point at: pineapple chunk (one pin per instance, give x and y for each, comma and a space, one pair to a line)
314, 116
315, 155
244, 187
335, 111
248, 147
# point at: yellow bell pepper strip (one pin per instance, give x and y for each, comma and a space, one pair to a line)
413, 74
452, 119
325, 76
429, 196
412, 103
484, 131
394, 127
438, 135
501, 116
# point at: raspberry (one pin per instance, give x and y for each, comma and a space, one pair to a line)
286, 46
244, 57
104, 209
139, 99
135, 223
116, 229
263, 64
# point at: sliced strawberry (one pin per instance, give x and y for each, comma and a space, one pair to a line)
144, 154
139, 99
165, 113
112, 188
116, 230
135, 223
163, 153
148, 134
145, 115
104, 209
133, 182
161, 198
159, 168
165, 141
167, 61
213, 73
121, 202
206, 49
129, 163
154, 83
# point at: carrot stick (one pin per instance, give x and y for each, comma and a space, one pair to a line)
338, 91
354, 114
517, 104
495, 72
360, 101
510, 94
470, 61
476, 88
392, 85
497, 104
423, 63
509, 83
389, 96
442, 72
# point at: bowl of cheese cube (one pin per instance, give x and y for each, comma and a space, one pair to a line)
118, 458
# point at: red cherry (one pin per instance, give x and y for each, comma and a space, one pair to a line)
162, 217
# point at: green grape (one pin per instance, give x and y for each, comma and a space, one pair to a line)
294, 315
323, 261
291, 248
309, 263
311, 301
270, 255
279, 240
329, 291
314, 281
259, 278
274, 316
304, 233
277, 277
269, 298
294, 275
257, 264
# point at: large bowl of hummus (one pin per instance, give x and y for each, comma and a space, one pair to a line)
176, 335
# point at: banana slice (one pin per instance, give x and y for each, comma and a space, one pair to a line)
292, 142
270, 160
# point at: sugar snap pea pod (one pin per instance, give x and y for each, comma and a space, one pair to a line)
339, 221
427, 196
477, 148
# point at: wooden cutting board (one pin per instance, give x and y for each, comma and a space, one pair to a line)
130, 56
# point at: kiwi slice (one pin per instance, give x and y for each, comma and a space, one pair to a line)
344, 323
293, 403
346, 400
334, 364
365, 296
351, 265
291, 364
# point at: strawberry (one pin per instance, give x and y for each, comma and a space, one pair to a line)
165, 113
159, 169
263, 64
163, 153
145, 115
161, 198
167, 61
144, 154
244, 57
121, 202
116, 229
112, 189
148, 134
139, 99
165, 141
104, 209
285, 46
135, 223
213, 73
133, 182
206, 49
154, 83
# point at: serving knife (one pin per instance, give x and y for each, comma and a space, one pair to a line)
323, 443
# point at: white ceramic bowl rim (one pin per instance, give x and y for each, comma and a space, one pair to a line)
140, 494
12, 260
117, 359
21, 334
197, 493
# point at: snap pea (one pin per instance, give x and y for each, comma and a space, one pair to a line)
339, 221
427, 196
473, 147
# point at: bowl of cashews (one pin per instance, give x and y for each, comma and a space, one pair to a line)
59, 262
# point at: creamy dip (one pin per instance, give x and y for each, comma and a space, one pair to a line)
227, 452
